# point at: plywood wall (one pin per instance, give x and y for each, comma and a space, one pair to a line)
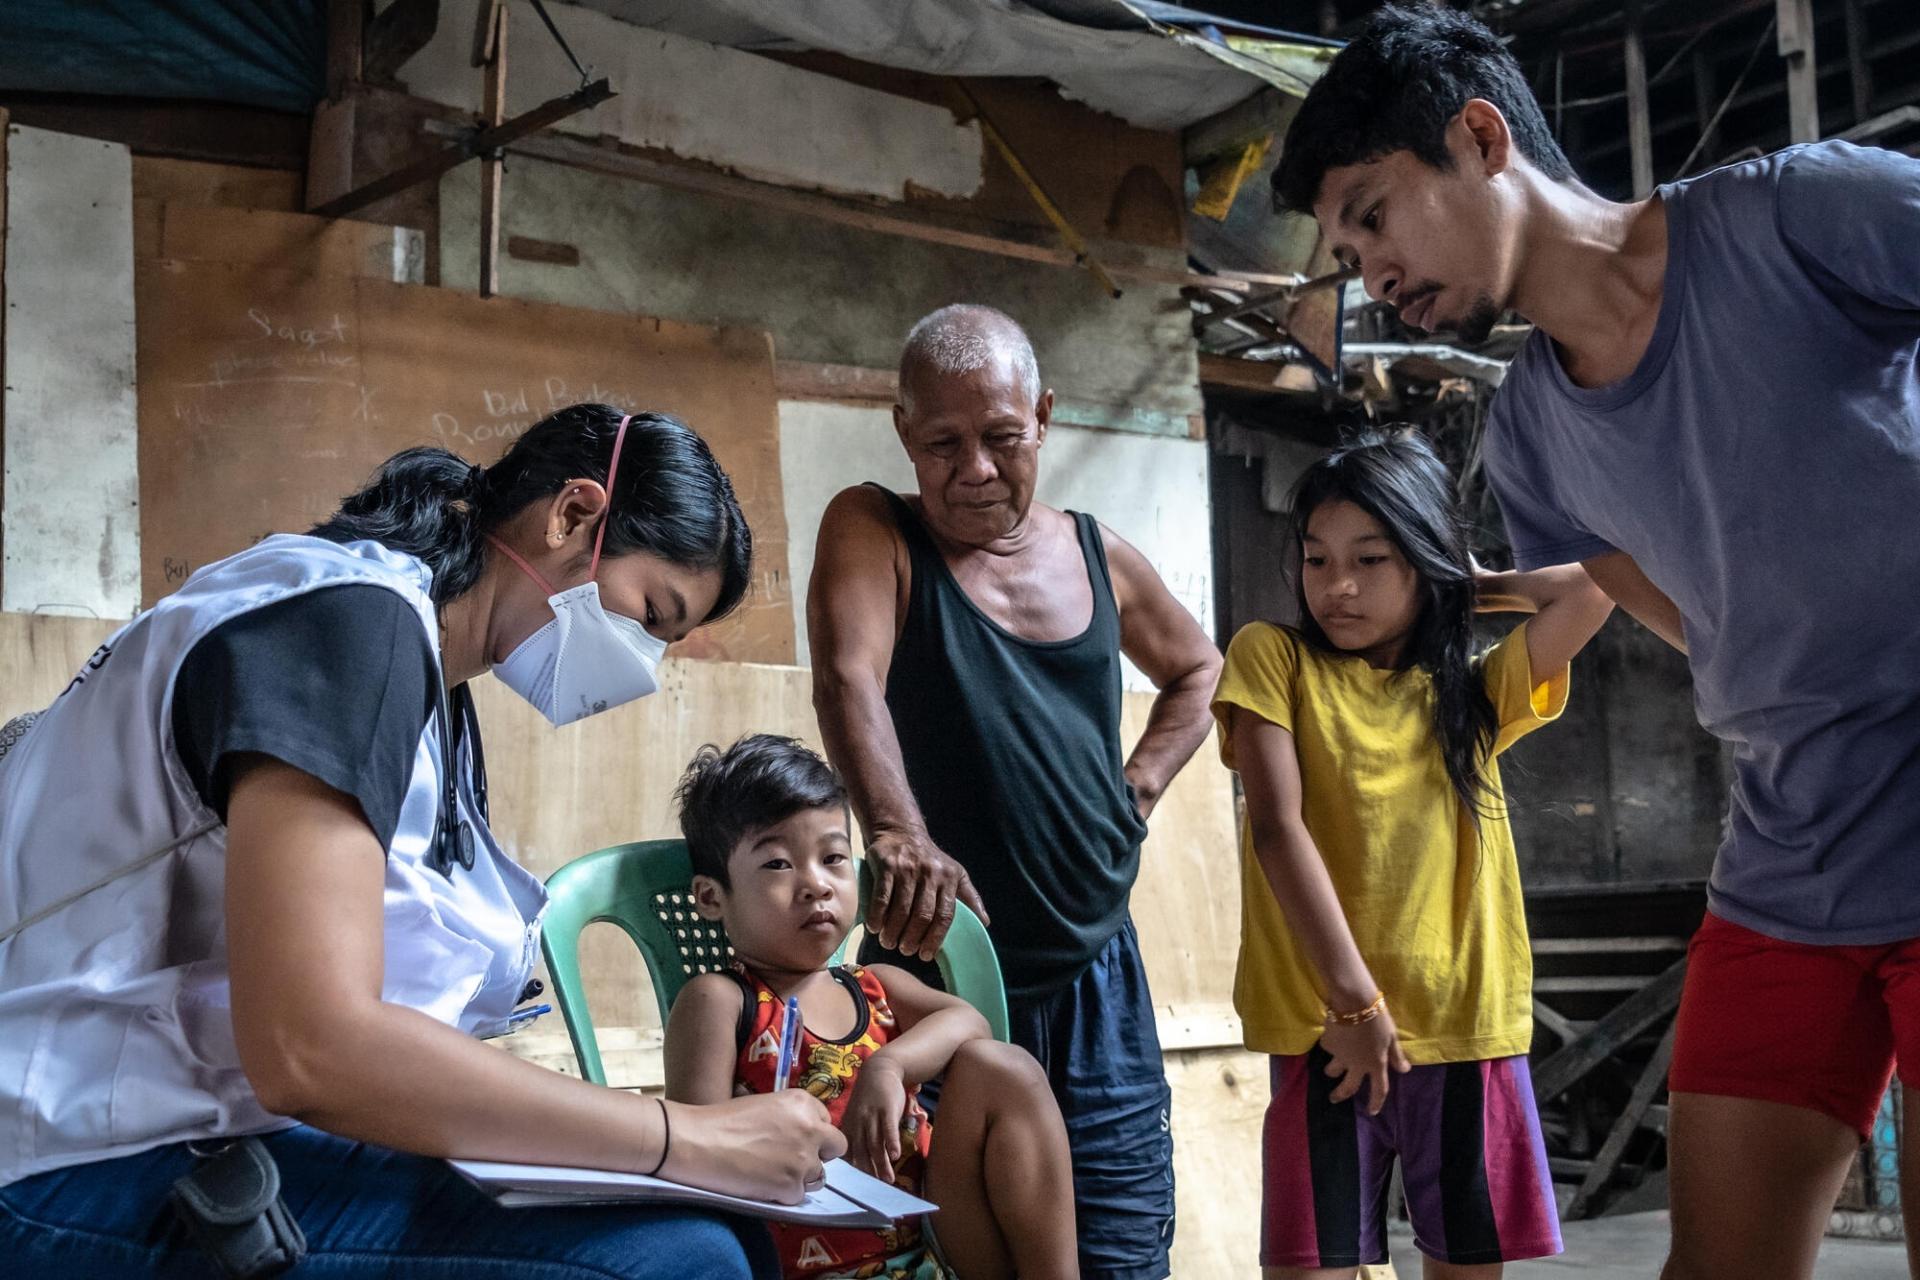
268, 392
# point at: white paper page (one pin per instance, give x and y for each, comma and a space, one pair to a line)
880, 1196
848, 1196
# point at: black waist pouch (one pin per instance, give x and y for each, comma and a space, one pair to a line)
232, 1207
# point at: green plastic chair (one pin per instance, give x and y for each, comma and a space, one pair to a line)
647, 889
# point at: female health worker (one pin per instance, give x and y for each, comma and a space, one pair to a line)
247, 884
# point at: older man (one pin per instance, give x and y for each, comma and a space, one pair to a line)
966, 646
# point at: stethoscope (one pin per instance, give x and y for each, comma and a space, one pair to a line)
453, 837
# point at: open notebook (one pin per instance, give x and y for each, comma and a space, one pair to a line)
850, 1198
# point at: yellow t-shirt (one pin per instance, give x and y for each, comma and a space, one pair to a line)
1435, 910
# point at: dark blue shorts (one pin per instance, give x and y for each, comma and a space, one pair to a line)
1097, 1041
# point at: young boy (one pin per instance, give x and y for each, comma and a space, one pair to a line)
767, 828
1718, 415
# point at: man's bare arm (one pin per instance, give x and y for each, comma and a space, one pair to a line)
853, 615
1168, 646
1621, 578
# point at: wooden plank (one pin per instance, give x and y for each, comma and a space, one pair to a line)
493, 110
1651, 1081
1705, 101
601, 157
1859, 69
269, 394
528, 249
1185, 1027
1795, 40
1230, 373
1639, 118
1589, 946
1219, 1102
1571, 1063
346, 20
1561, 1027
39, 654
296, 242
1575, 985
163, 180
802, 380
490, 138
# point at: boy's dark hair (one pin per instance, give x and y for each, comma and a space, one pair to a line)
1395, 88
760, 780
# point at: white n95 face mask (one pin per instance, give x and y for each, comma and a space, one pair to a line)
586, 660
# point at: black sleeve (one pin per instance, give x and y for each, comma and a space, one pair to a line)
338, 683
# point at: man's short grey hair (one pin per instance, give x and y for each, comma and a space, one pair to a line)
962, 338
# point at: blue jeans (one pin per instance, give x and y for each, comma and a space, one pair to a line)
366, 1211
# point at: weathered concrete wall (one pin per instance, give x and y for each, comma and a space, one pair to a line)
828, 293
755, 116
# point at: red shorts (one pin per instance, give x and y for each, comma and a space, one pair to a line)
1809, 1026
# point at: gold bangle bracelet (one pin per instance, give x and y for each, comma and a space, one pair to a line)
1367, 1014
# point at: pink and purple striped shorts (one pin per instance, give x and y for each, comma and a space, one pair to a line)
1467, 1136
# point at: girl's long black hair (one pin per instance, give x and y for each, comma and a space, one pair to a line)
1398, 479
674, 500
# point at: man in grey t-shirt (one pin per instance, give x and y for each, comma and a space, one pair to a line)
1719, 416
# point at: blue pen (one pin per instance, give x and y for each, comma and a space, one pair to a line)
528, 1013
789, 1043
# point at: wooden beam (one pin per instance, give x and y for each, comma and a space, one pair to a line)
1226, 373
1795, 32
396, 33
471, 145
1705, 102
1639, 119
804, 380
1859, 70
1624, 1126
551, 252
346, 28
603, 157
492, 166
1571, 1063
1076, 243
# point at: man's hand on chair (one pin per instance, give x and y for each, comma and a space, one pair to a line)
915, 886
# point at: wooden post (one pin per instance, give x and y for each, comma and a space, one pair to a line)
346, 28
330, 144
1639, 122
1860, 73
1704, 103
1796, 47
494, 17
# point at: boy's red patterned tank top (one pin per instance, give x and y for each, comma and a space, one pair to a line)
827, 1069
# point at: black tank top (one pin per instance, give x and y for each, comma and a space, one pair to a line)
1012, 748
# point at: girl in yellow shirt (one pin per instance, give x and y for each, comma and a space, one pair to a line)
1384, 959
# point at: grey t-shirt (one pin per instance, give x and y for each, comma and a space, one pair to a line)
1762, 464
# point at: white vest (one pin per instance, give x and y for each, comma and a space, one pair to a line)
115, 1028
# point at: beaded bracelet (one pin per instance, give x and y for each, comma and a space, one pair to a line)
1367, 1014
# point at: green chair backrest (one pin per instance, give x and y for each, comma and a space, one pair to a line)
646, 888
